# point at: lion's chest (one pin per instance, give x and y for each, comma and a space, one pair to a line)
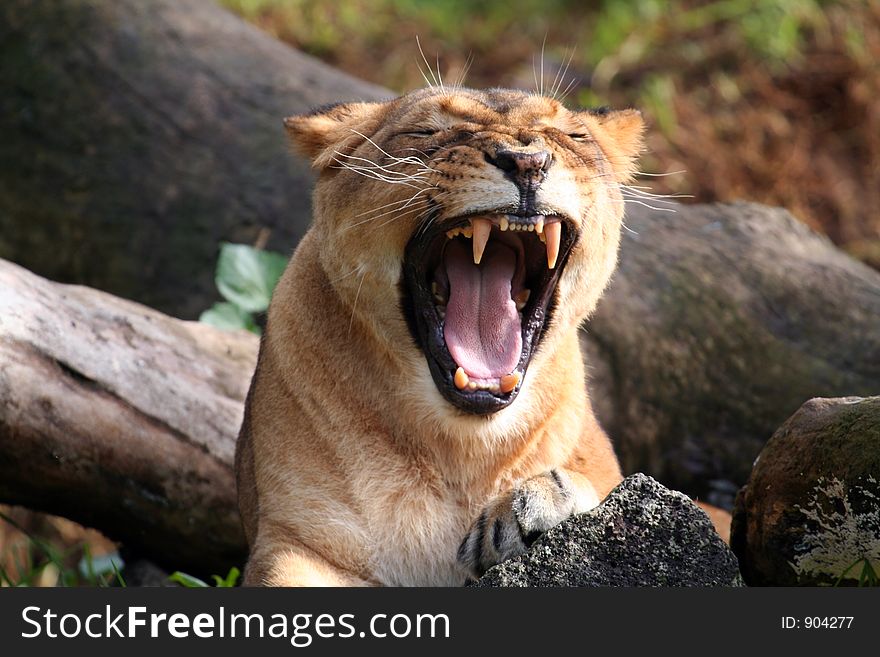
414, 534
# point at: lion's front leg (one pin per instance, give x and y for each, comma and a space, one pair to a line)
512, 521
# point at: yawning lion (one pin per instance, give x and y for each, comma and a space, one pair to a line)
419, 411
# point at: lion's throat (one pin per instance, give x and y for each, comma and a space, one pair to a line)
482, 329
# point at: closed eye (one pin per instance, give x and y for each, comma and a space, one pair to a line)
417, 133
579, 136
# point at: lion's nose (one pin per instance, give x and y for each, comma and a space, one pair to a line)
527, 169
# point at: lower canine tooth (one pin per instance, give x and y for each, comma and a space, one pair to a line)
521, 299
461, 378
553, 233
509, 382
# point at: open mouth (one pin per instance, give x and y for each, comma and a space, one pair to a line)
478, 292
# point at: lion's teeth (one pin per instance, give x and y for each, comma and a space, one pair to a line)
461, 378
481, 230
509, 382
539, 225
504, 223
553, 233
522, 299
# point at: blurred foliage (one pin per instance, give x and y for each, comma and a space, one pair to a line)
246, 277
46, 551
767, 100
190, 582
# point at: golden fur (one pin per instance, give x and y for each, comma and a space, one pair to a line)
352, 468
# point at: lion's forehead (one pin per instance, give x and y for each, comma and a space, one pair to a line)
493, 107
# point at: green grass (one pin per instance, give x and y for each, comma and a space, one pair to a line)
42, 557
190, 582
864, 574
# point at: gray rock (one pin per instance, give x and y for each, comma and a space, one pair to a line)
643, 534
810, 513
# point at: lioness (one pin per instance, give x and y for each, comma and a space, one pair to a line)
419, 412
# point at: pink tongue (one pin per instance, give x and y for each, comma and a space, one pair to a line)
482, 328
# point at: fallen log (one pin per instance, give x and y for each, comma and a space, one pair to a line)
122, 418
719, 323
139, 135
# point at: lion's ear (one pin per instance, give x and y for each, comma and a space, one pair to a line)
620, 136
339, 127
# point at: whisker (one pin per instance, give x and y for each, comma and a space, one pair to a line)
405, 203
392, 211
660, 175
390, 176
647, 205
571, 86
464, 71
354, 305
374, 176
561, 72
387, 205
440, 77
413, 160
397, 160
640, 193
425, 59
543, 44
399, 216
344, 276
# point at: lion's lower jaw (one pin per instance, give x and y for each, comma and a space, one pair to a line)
554, 387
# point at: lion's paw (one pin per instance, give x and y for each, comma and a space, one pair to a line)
513, 521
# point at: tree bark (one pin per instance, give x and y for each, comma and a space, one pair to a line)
136, 136
720, 322
123, 419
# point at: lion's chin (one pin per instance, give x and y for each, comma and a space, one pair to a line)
478, 292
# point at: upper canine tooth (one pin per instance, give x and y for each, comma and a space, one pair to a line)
539, 225
504, 223
553, 233
481, 230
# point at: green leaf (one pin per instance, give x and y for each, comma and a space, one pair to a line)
188, 581
229, 317
95, 569
246, 276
